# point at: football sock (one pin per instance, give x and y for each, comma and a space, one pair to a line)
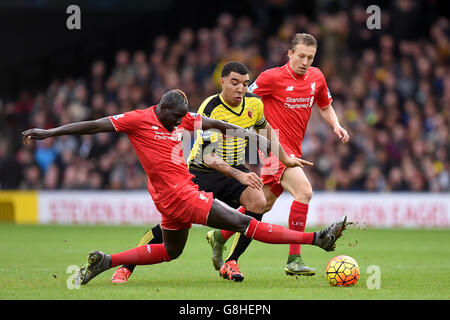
151, 236
146, 254
297, 222
241, 242
273, 233
222, 236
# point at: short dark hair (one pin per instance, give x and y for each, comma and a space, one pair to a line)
303, 38
173, 98
234, 66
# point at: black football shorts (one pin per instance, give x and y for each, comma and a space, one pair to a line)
224, 188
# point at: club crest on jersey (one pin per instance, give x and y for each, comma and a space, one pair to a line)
250, 114
313, 88
290, 88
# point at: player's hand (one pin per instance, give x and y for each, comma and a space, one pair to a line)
250, 179
341, 133
297, 162
35, 134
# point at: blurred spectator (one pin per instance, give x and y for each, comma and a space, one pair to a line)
51, 178
10, 168
391, 90
32, 178
46, 154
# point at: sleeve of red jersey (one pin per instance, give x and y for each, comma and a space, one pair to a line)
192, 121
127, 122
262, 85
323, 96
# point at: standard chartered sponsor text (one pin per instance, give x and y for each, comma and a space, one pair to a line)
293, 103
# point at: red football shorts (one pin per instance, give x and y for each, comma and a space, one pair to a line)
271, 174
273, 170
187, 206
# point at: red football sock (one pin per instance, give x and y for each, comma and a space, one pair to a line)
297, 222
146, 254
273, 233
226, 234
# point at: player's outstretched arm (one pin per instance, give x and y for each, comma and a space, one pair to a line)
83, 127
278, 150
330, 117
232, 130
224, 127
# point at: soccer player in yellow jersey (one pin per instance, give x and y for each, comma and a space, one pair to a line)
217, 164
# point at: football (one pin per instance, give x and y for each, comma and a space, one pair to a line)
342, 271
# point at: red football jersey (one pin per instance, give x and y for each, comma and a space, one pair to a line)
159, 151
288, 99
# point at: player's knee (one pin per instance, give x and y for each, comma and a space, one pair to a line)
269, 204
256, 204
270, 198
303, 194
308, 194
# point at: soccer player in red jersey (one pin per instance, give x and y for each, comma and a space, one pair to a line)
289, 93
155, 134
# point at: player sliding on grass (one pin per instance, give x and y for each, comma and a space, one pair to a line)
155, 134
217, 165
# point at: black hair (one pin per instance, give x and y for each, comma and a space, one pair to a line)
173, 98
234, 66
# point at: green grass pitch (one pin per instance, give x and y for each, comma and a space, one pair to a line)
414, 264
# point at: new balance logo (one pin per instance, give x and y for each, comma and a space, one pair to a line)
290, 88
118, 116
254, 86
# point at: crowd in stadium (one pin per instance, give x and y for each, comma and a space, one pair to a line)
391, 91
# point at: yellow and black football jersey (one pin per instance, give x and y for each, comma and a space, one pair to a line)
248, 115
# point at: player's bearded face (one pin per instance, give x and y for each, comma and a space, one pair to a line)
301, 58
234, 87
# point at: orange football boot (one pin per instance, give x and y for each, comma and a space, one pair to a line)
121, 275
230, 271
